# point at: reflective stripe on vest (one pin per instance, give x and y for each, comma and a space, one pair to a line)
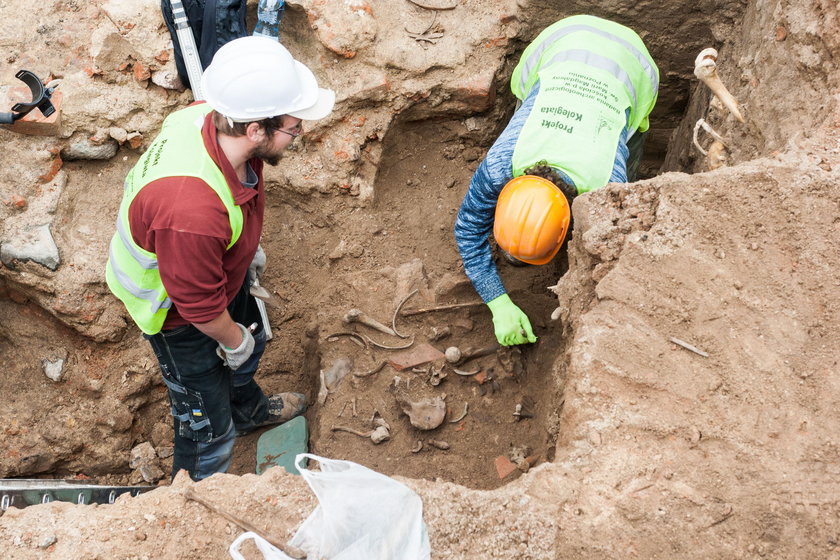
595, 60
132, 272
128, 242
590, 90
150, 295
533, 60
580, 39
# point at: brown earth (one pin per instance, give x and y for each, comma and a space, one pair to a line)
644, 448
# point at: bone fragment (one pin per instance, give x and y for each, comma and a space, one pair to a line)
359, 316
355, 337
425, 414
717, 155
455, 355
688, 346
372, 371
417, 447
438, 444
705, 68
701, 123
463, 414
436, 377
350, 430
324, 391
434, 6
448, 307
377, 435
387, 347
439, 333
397, 312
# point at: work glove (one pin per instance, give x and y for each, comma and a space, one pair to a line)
257, 266
235, 357
509, 322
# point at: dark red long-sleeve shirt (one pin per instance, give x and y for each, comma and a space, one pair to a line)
183, 221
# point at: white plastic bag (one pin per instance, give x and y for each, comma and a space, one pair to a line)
362, 515
269, 551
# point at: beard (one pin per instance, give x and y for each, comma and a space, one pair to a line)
267, 153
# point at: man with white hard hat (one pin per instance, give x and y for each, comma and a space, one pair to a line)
188, 229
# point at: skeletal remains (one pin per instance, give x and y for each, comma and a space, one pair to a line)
705, 68
438, 444
359, 316
381, 430
426, 414
455, 355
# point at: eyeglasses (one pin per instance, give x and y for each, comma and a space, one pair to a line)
294, 133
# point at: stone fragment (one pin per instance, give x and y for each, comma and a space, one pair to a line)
450, 286
33, 243
84, 148
161, 435
142, 454
118, 134
339, 251
167, 79
53, 369
150, 472
343, 27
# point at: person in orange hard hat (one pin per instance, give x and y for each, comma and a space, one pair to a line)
586, 87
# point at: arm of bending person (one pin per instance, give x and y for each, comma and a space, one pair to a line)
472, 234
476, 215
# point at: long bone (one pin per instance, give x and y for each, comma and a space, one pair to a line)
705, 68
359, 316
701, 123
716, 154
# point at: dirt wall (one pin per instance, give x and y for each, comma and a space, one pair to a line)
660, 451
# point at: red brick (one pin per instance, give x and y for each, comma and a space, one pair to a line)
17, 202
35, 123
503, 466
141, 72
420, 354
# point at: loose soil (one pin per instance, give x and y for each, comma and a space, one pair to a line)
639, 447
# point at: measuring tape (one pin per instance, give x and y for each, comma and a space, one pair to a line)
188, 49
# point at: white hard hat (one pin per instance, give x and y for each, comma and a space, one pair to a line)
253, 78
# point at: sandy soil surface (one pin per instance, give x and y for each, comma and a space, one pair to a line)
639, 446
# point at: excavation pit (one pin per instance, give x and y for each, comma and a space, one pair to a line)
625, 433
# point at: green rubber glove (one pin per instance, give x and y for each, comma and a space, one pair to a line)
510, 323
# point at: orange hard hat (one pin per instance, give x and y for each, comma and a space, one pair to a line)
532, 218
